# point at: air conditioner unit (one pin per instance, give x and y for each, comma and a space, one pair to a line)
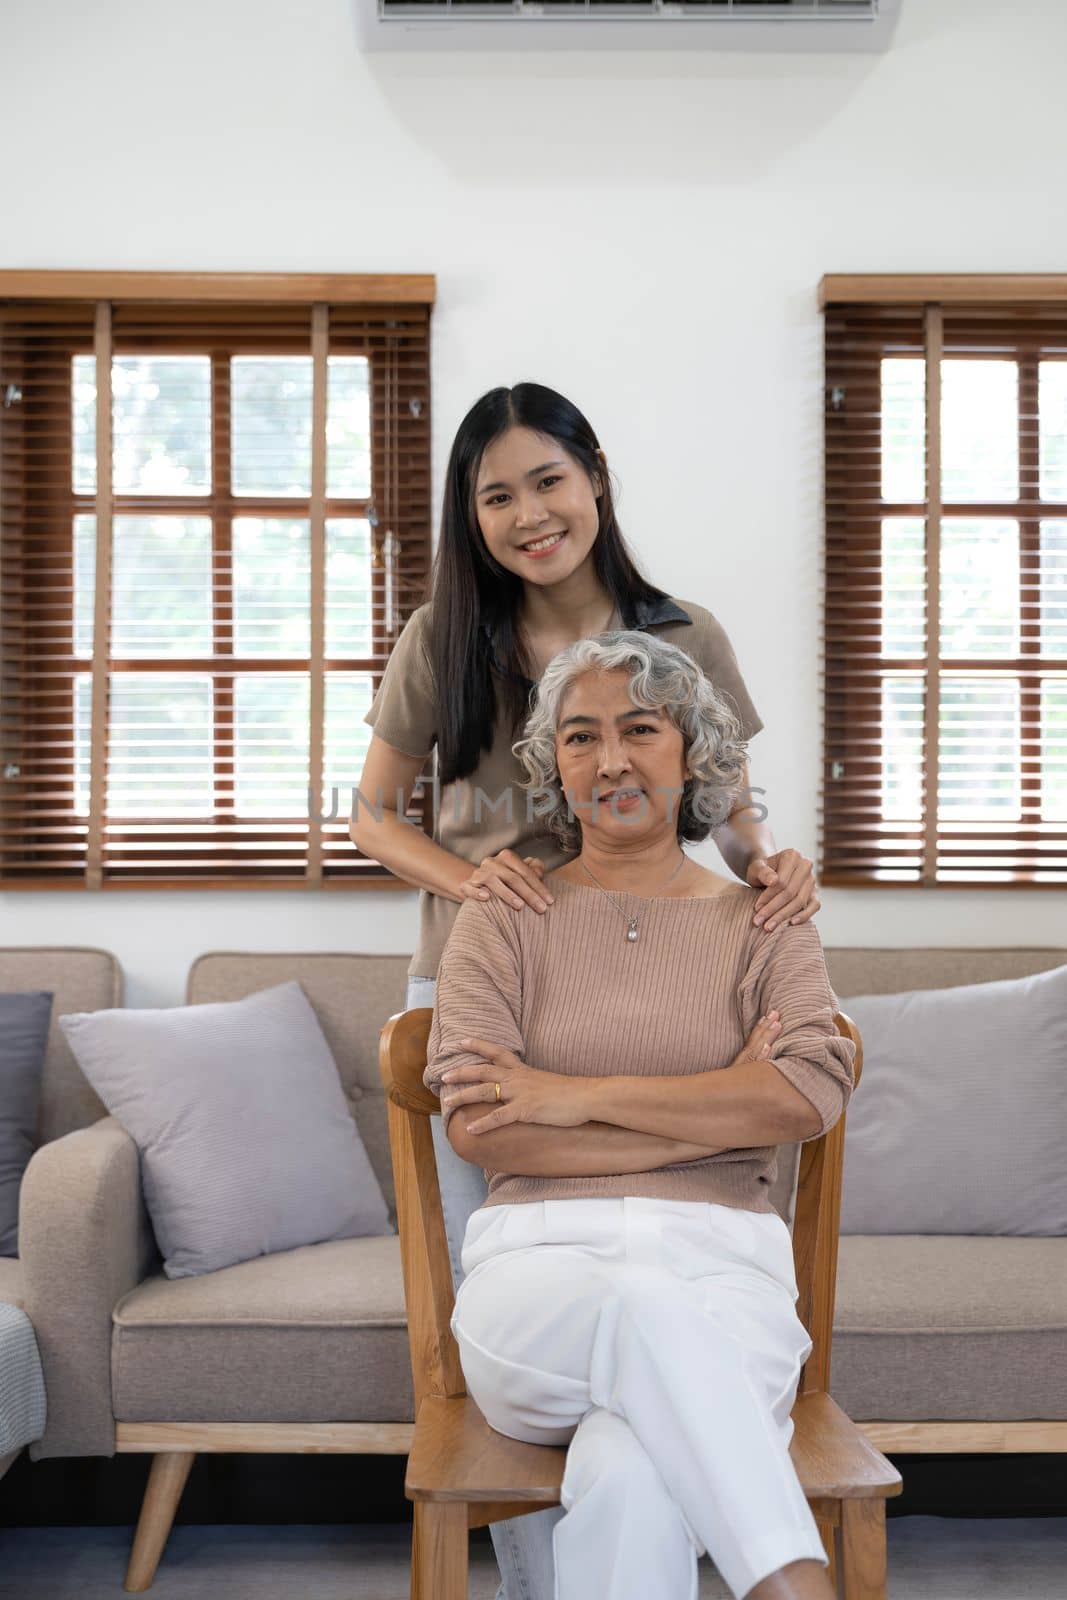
806, 25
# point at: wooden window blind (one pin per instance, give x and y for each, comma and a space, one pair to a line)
214, 522
945, 633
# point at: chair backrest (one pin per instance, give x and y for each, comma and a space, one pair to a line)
81, 979
428, 1289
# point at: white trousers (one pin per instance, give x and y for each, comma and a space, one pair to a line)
659, 1341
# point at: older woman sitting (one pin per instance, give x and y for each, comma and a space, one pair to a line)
623, 1070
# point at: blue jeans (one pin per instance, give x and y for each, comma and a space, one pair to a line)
524, 1546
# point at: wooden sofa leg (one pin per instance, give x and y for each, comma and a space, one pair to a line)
167, 1479
863, 1550
439, 1551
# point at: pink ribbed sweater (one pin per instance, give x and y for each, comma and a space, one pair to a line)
567, 993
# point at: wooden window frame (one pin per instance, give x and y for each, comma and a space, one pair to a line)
1032, 854
398, 509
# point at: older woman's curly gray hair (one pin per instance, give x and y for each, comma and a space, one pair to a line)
662, 678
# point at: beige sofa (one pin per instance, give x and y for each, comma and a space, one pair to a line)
80, 980
305, 1350
952, 1344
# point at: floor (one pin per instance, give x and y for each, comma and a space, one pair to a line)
930, 1558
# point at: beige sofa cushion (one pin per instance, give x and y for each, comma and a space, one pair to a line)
310, 1335
925, 1329
949, 1329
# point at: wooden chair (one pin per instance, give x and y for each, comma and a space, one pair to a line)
462, 1474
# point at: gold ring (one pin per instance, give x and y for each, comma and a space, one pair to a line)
496, 1086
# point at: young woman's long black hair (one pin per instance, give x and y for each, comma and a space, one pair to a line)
470, 587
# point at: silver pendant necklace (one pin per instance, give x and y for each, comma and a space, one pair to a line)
631, 930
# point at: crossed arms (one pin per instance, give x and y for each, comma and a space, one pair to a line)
750, 1104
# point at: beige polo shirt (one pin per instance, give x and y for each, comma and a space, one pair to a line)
490, 811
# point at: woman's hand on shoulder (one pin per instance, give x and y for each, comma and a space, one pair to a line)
517, 880
790, 893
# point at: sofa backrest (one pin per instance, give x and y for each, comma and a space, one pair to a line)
862, 971
353, 997
81, 979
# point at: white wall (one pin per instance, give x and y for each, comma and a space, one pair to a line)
644, 233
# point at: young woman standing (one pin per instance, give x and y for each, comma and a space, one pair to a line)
530, 559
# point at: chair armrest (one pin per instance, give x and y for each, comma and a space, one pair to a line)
84, 1241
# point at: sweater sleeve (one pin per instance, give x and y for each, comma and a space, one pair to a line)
787, 972
479, 989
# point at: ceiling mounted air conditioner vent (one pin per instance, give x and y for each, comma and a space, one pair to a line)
641, 24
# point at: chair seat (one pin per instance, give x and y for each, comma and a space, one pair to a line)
316, 1334
456, 1455
833, 1458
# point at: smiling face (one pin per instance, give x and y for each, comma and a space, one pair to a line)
630, 761
536, 506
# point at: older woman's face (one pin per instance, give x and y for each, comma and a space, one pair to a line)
622, 767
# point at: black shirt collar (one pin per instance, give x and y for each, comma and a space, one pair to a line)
641, 614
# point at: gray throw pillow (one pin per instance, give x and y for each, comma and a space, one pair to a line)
24, 1020
247, 1143
959, 1121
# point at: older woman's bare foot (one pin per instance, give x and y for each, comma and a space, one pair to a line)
799, 1580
